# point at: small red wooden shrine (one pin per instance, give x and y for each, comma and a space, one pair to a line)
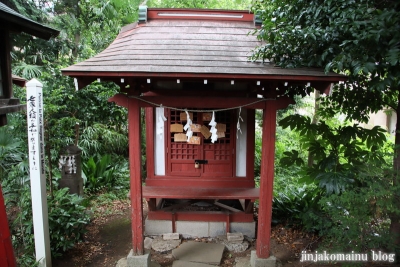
197, 60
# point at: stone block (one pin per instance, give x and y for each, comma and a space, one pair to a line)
234, 237
257, 262
157, 227
138, 260
246, 228
216, 228
171, 236
192, 229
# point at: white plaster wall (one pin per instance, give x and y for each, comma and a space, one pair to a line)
241, 146
385, 119
159, 144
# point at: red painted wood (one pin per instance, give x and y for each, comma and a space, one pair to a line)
7, 258
154, 13
200, 193
135, 176
284, 102
228, 223
229, 76
184, 181
216, 216
207, 102
248, 93
266, 180
150, 141
120, 99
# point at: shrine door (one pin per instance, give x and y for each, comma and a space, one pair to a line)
216, 159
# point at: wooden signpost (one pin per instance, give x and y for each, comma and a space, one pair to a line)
34, 99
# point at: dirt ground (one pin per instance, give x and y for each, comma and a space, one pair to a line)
109, 239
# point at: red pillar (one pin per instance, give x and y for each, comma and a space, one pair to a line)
266, 180
7, 258
135, 176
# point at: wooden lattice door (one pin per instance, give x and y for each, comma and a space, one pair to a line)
181, 156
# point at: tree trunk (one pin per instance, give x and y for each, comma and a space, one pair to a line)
77, 36
395, 217
314, 121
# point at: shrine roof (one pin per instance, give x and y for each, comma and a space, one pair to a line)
189, 43
12, 20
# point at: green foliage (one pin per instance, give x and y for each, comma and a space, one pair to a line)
87, 27
355, 188
362, 214
338, 36
10, 151
339, 152
67, 220
100, 138
99, 172
293, 201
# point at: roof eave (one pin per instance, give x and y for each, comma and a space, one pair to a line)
329, 77
28, 26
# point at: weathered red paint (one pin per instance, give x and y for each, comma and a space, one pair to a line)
217, 76
7, 258
135, 176
237, 15
210, 182
266, 180
120, 99
200, 192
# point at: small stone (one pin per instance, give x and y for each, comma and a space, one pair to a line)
171, 236
147, 243
234, 236
236, 247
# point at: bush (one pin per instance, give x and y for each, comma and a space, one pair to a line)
67, 221
289, 204
105, 172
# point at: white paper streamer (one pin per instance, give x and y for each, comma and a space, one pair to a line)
213, 130
238, 123
161, 119
187, 127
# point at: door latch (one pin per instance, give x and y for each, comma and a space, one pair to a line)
197, 163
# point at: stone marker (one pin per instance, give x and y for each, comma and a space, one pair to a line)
171, 236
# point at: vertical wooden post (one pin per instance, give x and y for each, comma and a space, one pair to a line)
135, 175
34, 99
266, 180
7, 258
